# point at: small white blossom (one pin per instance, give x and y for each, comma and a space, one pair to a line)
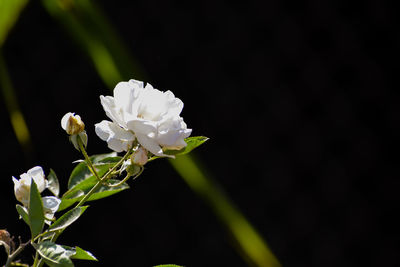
22, 187
72, 123
152, 116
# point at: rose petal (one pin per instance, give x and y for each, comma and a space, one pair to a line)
38, 176
114, 112
123, 96
151, 145
64, 120
142, 126
118, 139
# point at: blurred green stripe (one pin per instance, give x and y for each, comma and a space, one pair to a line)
250, 243
9, 13
17, 119
89, 27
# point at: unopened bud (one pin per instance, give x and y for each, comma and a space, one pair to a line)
6, 241
139, 157
5, 236
72, 123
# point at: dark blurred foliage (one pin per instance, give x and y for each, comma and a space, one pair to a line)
299, 102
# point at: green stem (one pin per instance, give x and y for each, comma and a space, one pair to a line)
88, 161
40, 263
127, 177
53, 239
102, 180
40, 236
15, 253
36, 261
94, 188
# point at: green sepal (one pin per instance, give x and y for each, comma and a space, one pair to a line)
23, 213
84, 138
74, 140
53, 185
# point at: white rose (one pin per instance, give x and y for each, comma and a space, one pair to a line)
22, 187
151, 115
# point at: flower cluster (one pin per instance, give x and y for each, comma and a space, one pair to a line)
22, 188
145, 114
145, 123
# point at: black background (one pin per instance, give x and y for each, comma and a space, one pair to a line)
297, 98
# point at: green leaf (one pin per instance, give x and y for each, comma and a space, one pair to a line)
108, 160
79, 174
54, 255
35, 211
47, 236
101, 162
22, 212
77, 193
82, 180
83, 255
53, 185
80, 254
72, 196
106, 191
192, 143
168, 265
66, 203
67, 219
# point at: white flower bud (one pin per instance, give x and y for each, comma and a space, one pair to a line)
5, 236
72, 123
6, 241
139, 157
